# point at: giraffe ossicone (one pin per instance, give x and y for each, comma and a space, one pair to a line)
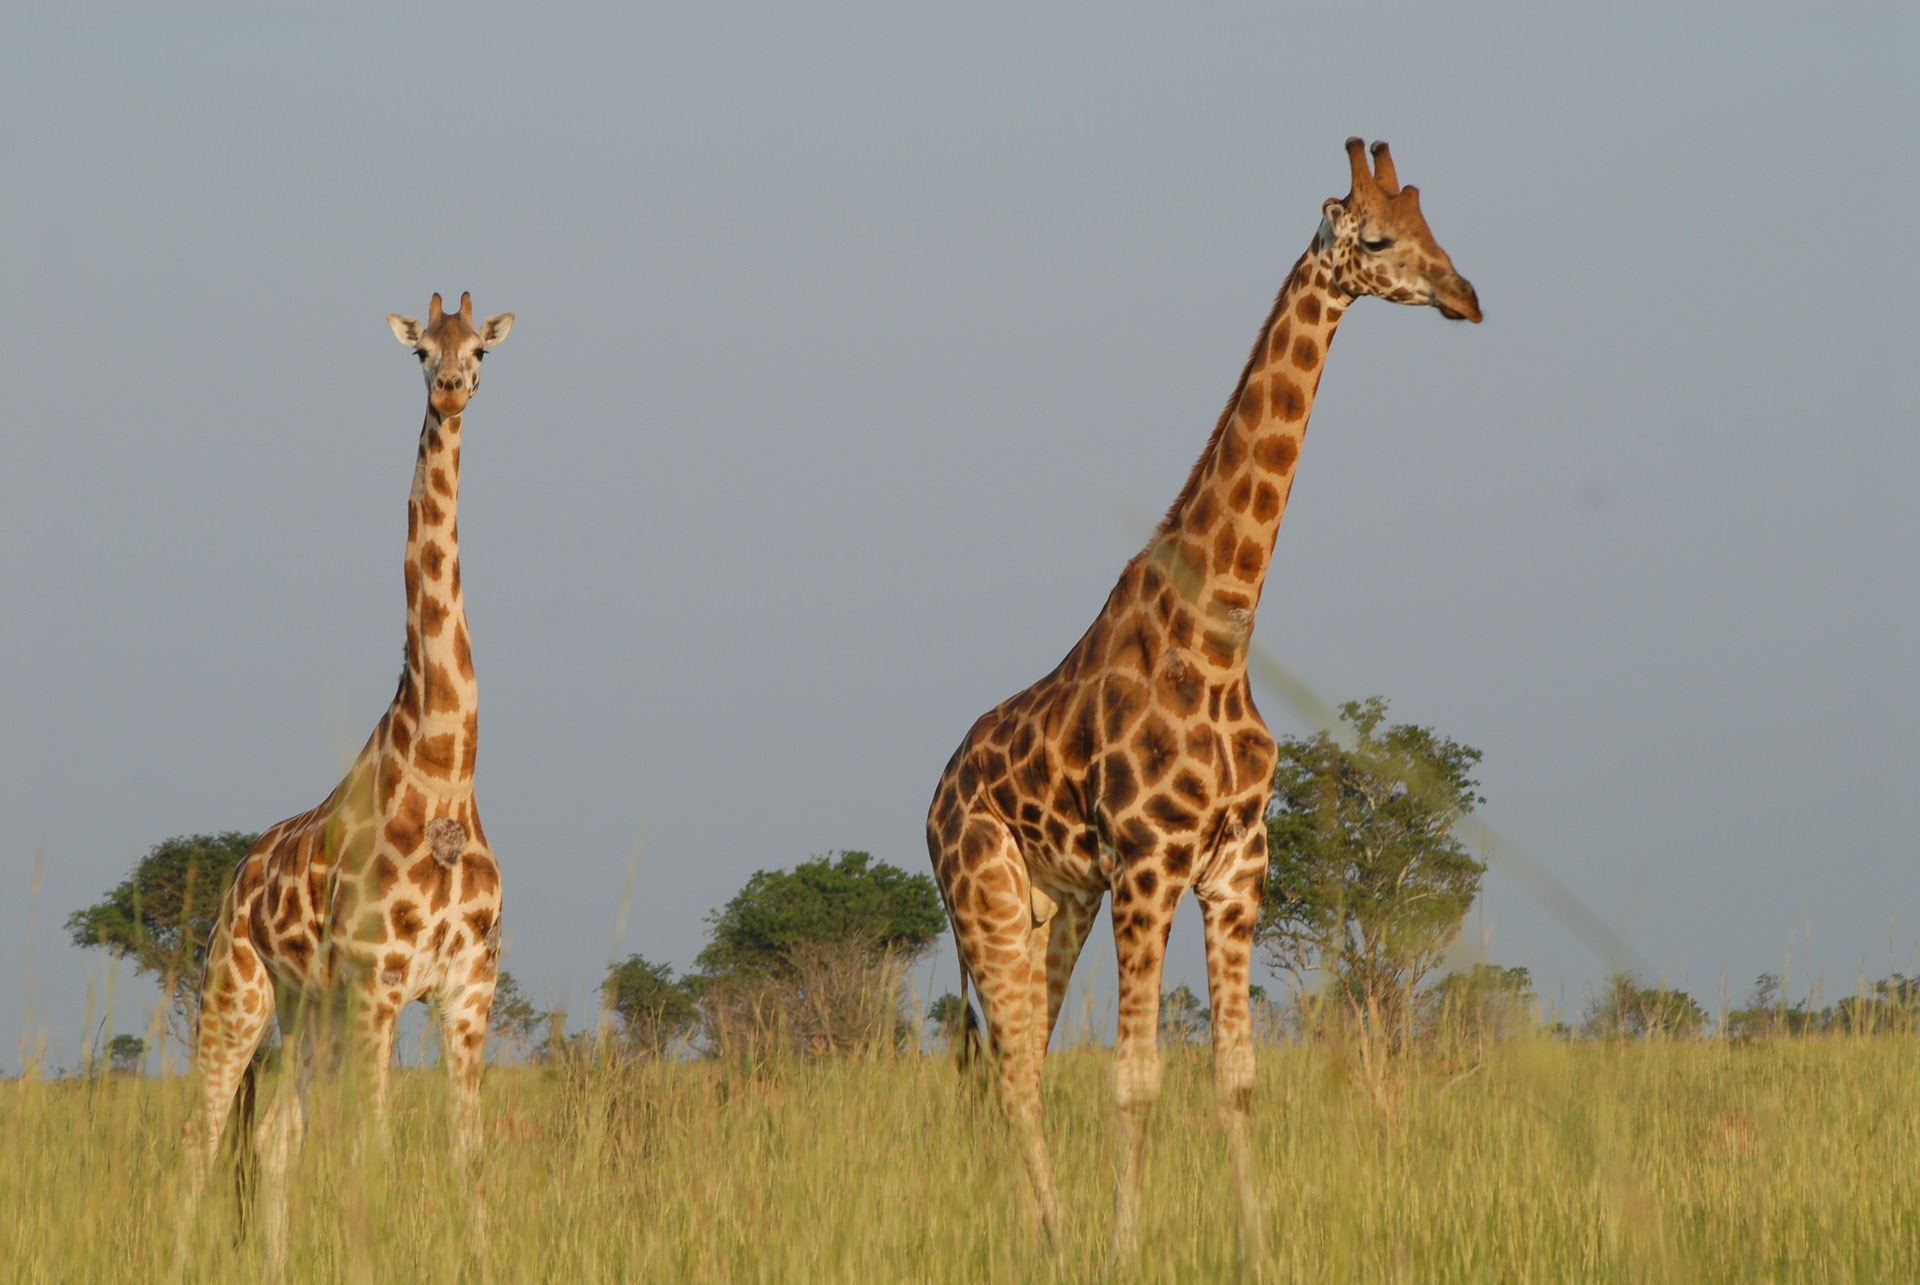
388, 891
1139, 768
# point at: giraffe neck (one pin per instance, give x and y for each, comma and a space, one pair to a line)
434, 721
1217, 539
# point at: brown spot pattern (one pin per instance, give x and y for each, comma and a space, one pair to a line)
1276, 452
434, 755
1139, 766
1289, 403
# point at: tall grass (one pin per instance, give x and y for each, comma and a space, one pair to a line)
1684, 1160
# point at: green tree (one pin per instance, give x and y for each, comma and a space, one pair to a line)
515, 1021
853, 902
1487, 1002
1269, 1016
125, 1053
1184, 1017
949, 1015
1366, 880
1767, 1013
162, 915
1626, 1009
816, 956
654, 1010
1888, 1006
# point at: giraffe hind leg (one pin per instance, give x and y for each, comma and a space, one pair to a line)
1061, 921
464, 1013
282, 1129
1066, 936
993, 925
236, 1003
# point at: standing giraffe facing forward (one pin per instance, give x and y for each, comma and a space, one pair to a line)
1139, 767
387, 892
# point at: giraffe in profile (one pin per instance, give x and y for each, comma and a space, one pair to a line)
1139, 767
388, 891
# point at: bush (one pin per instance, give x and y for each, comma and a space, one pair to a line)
654, 1010
1625, 1009
815, 958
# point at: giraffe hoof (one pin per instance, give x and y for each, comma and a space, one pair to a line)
448, 838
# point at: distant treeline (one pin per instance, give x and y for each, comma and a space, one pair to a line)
1368, 885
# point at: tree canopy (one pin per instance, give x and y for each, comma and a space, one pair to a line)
948, 1015
1184, 1016
815, 957
1485, 1002
523, 1029
162, 915
1626, 1008
125, 1053
852, 903
652, 1007
1366, 879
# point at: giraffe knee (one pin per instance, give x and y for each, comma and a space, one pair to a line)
1136, 1079
1018, 1096
1233, 1076
277, 1138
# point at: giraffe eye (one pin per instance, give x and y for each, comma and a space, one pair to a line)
480, 354
421, 353
1375, 246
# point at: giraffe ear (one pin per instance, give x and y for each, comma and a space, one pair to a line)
405, 329
1335, 213
494, 330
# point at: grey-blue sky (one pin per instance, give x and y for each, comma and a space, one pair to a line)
856, 349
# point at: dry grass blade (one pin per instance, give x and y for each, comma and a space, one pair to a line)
1552, 1161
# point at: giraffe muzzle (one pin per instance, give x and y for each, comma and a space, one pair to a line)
1456, 300
447, 402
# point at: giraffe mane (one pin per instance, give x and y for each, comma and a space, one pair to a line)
1233, 403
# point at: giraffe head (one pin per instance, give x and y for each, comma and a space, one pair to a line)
450, 349
1381, 244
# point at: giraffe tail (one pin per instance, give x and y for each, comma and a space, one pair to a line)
245, 1167
967, 1049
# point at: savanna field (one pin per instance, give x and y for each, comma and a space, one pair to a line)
1714, 1160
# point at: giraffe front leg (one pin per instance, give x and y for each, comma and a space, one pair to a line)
1230, 907
1142, 918
464, 1014
374, 1018
463, 1041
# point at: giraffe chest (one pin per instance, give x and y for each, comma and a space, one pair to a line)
1127, 770
379, 900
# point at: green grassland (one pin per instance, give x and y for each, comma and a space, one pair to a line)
1541, 1160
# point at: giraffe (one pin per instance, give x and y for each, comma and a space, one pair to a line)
388, 891
1139, 767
